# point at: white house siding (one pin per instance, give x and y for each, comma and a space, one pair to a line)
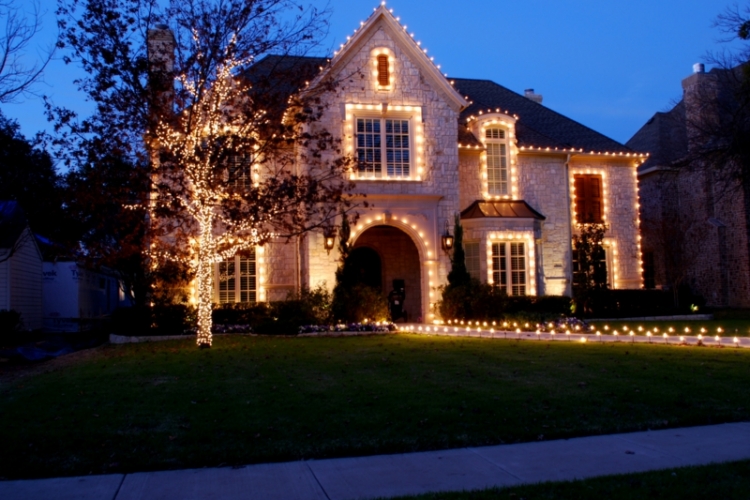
25, 273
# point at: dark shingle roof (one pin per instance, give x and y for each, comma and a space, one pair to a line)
537, 125
506, 209
664, 136
12, 223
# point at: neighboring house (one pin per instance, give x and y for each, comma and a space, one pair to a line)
20, 266
695, 218
75, 298
521, 175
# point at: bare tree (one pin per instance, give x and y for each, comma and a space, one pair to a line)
18, 71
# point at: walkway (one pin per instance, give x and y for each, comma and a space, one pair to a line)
412, 473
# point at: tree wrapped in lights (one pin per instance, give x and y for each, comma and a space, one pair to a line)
235, 161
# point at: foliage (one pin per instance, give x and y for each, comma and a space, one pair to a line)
161, 406
590, 274
28, 176
17, 76
10, 321
164, 319
233, 162
483, 302
458, 275
636, 303
353, 301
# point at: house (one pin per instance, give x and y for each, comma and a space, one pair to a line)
77, 297
521, 175
20, 266
695, 215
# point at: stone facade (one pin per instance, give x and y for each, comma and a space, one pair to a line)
407, 214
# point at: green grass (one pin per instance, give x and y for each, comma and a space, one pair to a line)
730, 481
170, 405
730, 327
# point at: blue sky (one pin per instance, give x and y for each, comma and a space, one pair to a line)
609, 65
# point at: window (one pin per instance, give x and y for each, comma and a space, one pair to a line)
509, 267
383, 147
497, 161
239, 170
588, 198
384, 77
237, 279
471, 251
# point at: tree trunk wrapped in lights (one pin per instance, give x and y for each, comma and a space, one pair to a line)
236, 161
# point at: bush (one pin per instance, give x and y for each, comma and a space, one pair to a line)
632, 303
10, 321
172, 319
359, 302
484, 302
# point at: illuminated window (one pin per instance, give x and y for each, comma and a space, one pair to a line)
588, 198
471, 251
239, 169
383, 147
497, 161
509, 267
236, 279
384, 76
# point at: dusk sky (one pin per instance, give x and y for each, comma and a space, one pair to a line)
608, 65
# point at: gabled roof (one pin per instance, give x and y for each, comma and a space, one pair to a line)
504, 209
382, 18
537, 125
12, 223
664, 136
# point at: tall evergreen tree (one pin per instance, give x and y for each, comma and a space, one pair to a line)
458, 275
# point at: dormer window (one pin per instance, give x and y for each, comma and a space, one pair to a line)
497, 161
382, 61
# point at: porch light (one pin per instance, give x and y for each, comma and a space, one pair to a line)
447, 239
329, 239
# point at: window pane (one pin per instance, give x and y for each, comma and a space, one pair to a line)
368, 145
497, 162
397, 147
471, 250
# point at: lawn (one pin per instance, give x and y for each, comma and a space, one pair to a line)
258, 399
729, 481
729, 327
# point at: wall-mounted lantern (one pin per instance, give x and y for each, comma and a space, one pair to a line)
329, 238
447, 239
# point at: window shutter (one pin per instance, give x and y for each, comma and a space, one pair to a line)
588, 198
384, 78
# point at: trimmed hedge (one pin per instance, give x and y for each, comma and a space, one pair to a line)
633, 304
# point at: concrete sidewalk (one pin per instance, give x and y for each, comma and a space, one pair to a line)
411, 473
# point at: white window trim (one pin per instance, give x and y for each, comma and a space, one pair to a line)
526, 237
500, 120
259, 290
385, 112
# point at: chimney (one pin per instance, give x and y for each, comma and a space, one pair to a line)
161, 46
699, 68
529, 94
699, 94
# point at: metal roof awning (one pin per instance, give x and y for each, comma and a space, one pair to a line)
505, 209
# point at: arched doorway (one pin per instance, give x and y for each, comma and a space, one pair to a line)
399, 260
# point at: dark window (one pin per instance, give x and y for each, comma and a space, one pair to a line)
600, 267
588, 199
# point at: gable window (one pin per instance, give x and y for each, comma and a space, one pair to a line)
383, 147
471, 252
497, 161
237, 279
588, 196
509, 267
384, 77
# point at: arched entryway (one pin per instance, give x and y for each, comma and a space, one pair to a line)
399, 260
366, 266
